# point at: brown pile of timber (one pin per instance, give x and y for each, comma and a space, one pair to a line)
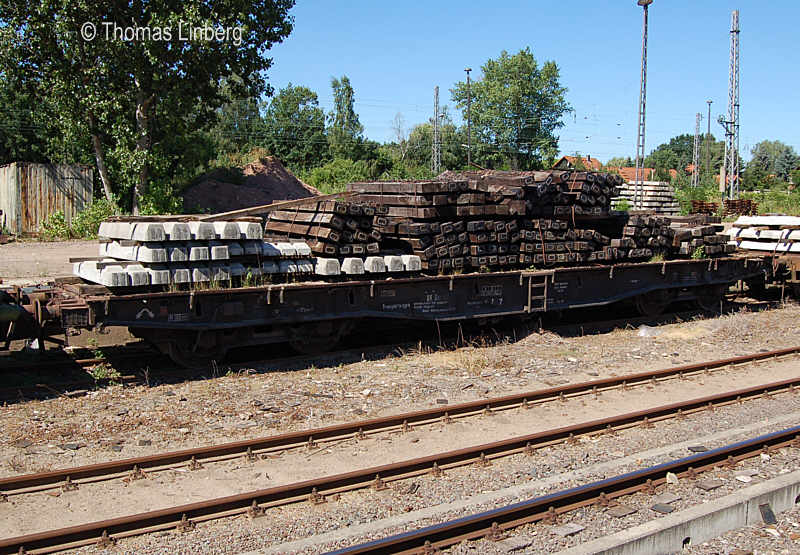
702, 207
740, 207
689, 238
330, 227
496, 220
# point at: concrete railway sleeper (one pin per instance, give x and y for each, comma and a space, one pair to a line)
404, 422
256, 502
198, 327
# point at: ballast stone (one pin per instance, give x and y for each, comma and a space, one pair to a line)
393, 263
352, 266
374, 265
327, 267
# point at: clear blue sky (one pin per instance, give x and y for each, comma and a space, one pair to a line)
396, 52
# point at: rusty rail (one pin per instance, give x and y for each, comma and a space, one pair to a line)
315, 490
546, 508
400, 421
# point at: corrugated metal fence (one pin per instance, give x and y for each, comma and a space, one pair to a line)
29, 193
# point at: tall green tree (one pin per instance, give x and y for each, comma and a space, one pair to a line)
128, 96
771, 161
295, 128
345, 132
516, 108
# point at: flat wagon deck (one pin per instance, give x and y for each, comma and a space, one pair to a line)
197, 326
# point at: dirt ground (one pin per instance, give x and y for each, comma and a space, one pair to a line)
32, 262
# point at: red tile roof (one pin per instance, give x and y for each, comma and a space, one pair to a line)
587, 161
648, 174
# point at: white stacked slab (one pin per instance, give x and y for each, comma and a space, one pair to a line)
142, 253
779, 234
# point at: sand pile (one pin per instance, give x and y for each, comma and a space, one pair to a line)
265, 181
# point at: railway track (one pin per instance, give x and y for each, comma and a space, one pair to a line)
166, 372
494, 523
255, 503
404, 421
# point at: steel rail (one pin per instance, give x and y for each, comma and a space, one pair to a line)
315, 490
494, 522
356, 429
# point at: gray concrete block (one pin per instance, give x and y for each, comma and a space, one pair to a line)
250, 230
200, 274
253, 271
236, 269
374, 265
136, 231
227, 230
178, 254
159, 275
270, 250
305, 266
114, 276
287, 267
202, 231
180, 275
198, 252
137, 274
235, 249
252, 248
352, 266
177, 231
302, 249
327, 267
219, 251
286, 249
148, 231
394, 263
270, 267
149, 252
220, 272
411, 262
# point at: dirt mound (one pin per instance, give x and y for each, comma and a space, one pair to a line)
265, 181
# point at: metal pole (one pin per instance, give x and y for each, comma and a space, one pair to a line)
469, 120
708, 140
638, 196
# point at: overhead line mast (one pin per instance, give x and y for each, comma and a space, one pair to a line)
731, 166
638, 195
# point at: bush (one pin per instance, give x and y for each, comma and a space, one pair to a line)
84, 225
685, 194
55, 227
776, 200
333, 176
161, 198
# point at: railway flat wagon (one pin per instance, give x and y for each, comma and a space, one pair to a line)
198, 326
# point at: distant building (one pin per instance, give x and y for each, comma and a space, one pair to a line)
648, 174
571, 162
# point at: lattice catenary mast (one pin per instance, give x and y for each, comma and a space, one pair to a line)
696, 155
638, 195
436, 144
731, 169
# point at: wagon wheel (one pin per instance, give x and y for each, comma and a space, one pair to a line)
195, 350
708, 298
317, 337
654, 302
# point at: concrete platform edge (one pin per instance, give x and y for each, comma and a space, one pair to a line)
700, 523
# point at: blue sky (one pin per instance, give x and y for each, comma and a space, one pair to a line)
396, 52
